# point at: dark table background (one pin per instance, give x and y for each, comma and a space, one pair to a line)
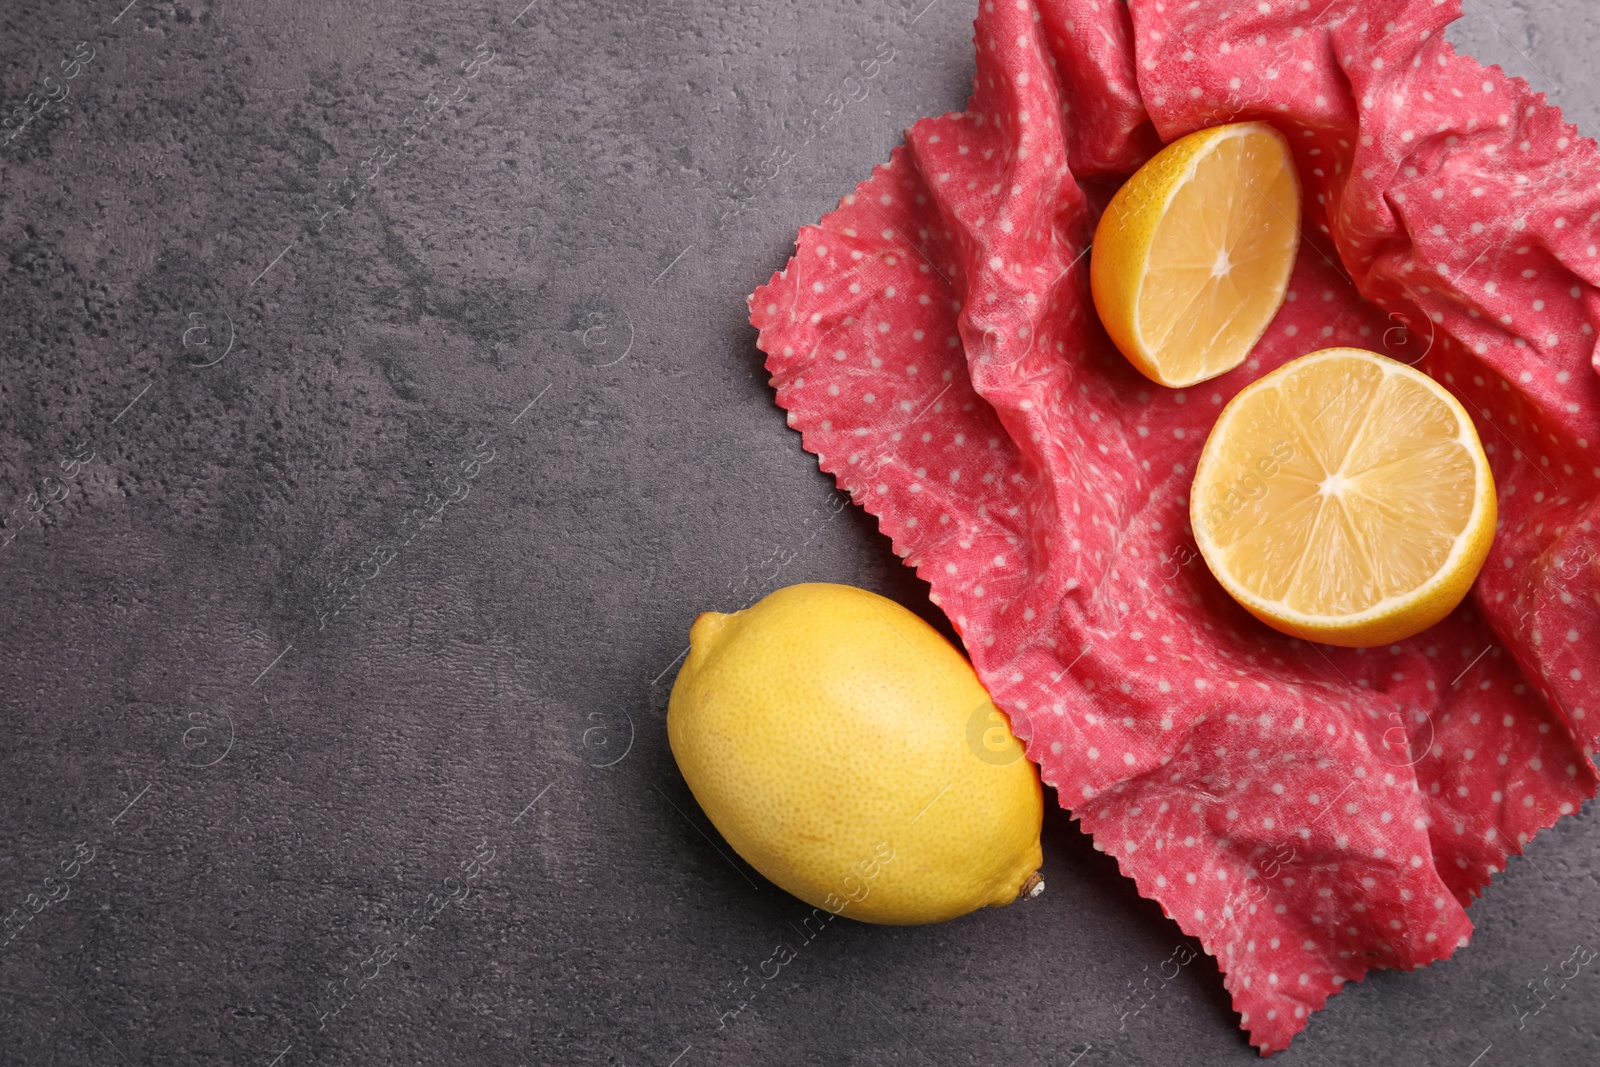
330, 775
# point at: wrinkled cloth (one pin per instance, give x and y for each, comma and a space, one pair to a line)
1308, 813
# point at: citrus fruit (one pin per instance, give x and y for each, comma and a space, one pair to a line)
850, 754
1344, 498
1192, 256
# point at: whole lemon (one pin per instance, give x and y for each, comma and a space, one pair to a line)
850, 754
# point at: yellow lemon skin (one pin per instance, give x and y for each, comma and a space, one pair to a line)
849, 753
1193, 254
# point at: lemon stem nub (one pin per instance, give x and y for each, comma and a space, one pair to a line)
1032, 887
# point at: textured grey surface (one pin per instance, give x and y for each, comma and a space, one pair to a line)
333, 672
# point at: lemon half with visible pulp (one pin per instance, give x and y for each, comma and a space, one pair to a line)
1192, 256
1344, 498
851, 755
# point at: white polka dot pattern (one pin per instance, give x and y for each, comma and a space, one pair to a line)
1305, 811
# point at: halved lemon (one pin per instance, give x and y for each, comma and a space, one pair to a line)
1344, 498
1192, 256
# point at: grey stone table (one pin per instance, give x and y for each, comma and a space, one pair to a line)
398, 426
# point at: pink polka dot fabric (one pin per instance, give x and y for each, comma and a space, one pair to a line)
1309, 813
